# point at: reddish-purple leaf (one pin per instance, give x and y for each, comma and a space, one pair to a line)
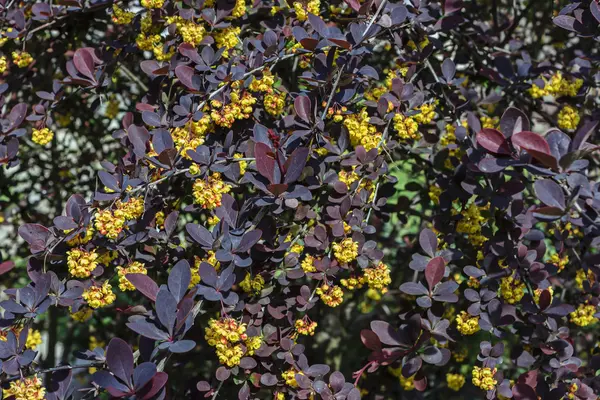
144, 284
493, 141
522, 391
36, 235
154, 386
295, 164
370, 339
595, 10
434, 272
185, 75
6, 266
265, 163
84, 63
537, 146
302, 107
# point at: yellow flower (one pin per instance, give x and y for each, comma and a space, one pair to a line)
152, 3
81, 263
120, 16
135, 267
82, 315
34, 339
22, 59
226, 335
228, 37
308, 264
557, 86
112, 108
490, 122
242, 164
239, 10
407, 127
333, 296
208, 192
581, 276
81, 238
568, 118
455, 381
239, 108
274, 103
584, 315
3, 64
471, 224
361, 132
467, 324
512, 289
42, 136
434, 193
252, 285
190, 32
99, 296
305, 328
110, 223
346, 251
26, 389
427, 113
302, 11
352, 283
192, 135
290, 377
484, 378
378, 277
560, 261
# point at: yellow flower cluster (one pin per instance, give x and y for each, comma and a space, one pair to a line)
22, 59
407, 384
42, 136
302, 10
460, 354
305, 328
99, 296
346, 251
264, 84
333, 296
573, 388
252, 285
240, 107
560, 261
81, 238
289, 377
352, 283
407, 127
568, 118
34, 339
484, 378
378, 277
581, 276
82, 315
584, 315
190, 32
361, 132
154, 44
467, 324
307, 264
81, 263
490, 122
152, 3
274, 103
422, 44
208, 192
121, 17
228, 37
471, 224
557, 86
434, 193
229, 338
239, 10
192, 135
243, 164
455, 381
132, 208
112, 108
3, 64
26, 389
427, 113
348, 177
512, 289
135, 267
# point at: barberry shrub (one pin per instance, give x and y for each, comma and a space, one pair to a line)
299, 200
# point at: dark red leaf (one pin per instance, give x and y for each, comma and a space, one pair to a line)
537, 146
434, 272
144, 284
493, 141
265, 163
302, 107
84, 63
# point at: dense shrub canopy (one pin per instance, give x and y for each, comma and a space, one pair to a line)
299, 199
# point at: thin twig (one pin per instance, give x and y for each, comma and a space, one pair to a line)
130, 75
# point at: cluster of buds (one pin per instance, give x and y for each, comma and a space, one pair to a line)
81, 263
230, 340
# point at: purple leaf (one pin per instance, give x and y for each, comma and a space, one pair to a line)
295, 165
265, 163
200, 234
119, 359
414, 288
248, 240
84, 63
434, 272
302, 107
537, 146
550, 193
36, 235
493, 141
144, 284
448, 69
179, 279
428, 242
